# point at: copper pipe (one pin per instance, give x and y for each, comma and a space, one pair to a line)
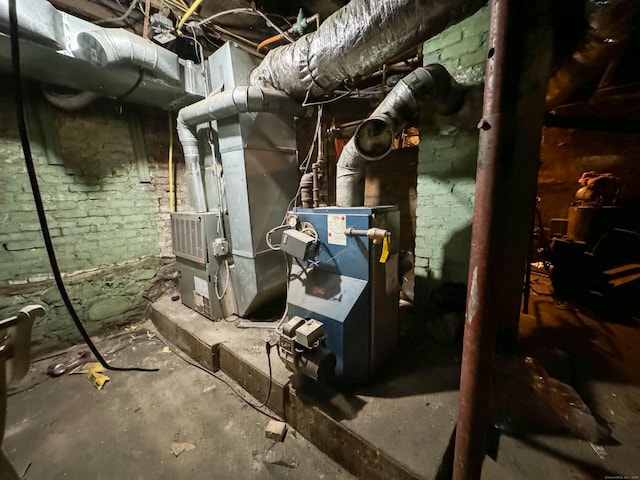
517, 71
271, 40
145, 26
313, 18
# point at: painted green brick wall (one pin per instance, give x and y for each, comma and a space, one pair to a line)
104, 213
447, 162
99, 212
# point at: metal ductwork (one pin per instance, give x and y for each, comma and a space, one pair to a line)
609, 27
373, 138
224, 105
239, 100
354, 41
245, 138
70, 52
39, 22
69, 101
113, 46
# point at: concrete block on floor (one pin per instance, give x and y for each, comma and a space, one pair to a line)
276, 430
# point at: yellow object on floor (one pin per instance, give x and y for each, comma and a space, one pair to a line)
97, 376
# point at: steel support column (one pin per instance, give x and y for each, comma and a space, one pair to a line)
510, 133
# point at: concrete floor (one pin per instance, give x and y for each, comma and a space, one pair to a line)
600, 359
65, 428
408, 412
397, 426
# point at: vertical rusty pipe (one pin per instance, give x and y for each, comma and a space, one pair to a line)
510, 133
316, 184
480, 326
317, 172
306, 189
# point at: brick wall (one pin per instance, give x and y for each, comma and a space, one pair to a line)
156, 136
104, 182
393, 182
447, 161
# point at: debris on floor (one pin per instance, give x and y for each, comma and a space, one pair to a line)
599, 450
272, 457
525, 396
178, 447
97, 376
56, 369
95, 373
128, 431
276, 430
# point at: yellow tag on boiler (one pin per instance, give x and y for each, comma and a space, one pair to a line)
385, 249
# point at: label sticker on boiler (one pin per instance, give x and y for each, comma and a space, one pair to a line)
336, 225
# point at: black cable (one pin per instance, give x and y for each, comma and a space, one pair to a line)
11, 393
268, 348
217, 377
28, 159
134, 87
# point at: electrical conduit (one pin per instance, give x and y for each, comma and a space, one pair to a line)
187, 14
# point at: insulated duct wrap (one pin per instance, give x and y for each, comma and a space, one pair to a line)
111, 46
608, 29
354, 41
373, 139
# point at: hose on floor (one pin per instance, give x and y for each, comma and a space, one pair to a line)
28, 158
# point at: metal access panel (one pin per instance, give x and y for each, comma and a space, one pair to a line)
194, 287
193, 236
198, 292
190, 233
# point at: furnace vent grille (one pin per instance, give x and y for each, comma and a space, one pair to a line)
188, 237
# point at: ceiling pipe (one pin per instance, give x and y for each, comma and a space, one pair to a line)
355, 41
373, 139
609, 27
218, 106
